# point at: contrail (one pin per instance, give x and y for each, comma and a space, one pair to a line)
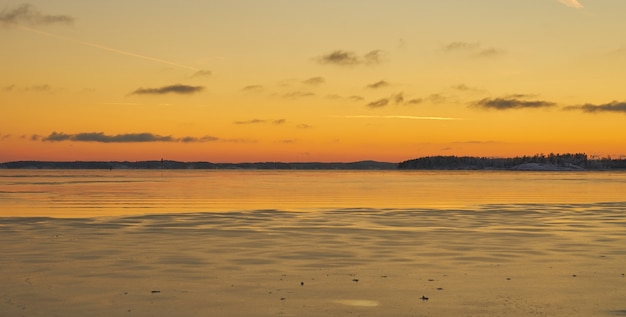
109, 49
572, 3
397, 117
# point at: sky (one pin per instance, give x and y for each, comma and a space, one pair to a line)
328, 81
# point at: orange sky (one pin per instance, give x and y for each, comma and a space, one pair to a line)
234, 81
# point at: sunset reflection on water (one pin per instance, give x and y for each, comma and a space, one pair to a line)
86, 193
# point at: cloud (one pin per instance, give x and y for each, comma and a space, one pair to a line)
461, 46
397, 99
298, 94
39, 88
572, 3
304, 126
508, 103
27, 14
378, 84
474, 48
252, 88
489, 52
374, 57
202, 73
287, 141
614, 106
347, 58
260, 121
206, 138
415, 101
174, 89
253, 121
379, 103
398, 117
100, 137
314, 81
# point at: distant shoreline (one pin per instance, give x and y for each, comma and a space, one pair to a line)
551, 162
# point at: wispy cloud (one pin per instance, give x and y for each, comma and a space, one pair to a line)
397, 117
615, 106
202, 73
378, 103
252, 88
396, 99
101, 137
475, 49
252, 121
314, 81
461, 46
261, 121
27, 14
572, 3
171, 89
378, 84
347, 58
298, 94
509, 103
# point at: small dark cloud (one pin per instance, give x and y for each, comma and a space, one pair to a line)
4, 136
27, 14
462, 87
489, 52
467, 89
512, 103
615, 106
356, 98
202, 73
279, 121
287, 141
173, 89
206, 138
437, 98
398, 98
9, 87
39, 88
379, 103
340, 57
314, 81
476, 49
378, 84
461, 46
119, 138
253, 121
374, 57
298, 94
304, 126
34, 137
347, 58
252, 88
415, 101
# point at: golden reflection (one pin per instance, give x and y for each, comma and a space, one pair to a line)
78, 193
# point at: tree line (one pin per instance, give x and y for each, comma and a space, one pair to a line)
562, 161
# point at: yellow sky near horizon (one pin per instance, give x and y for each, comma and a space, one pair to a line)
235, 81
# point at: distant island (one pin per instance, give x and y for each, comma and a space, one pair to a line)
539, 162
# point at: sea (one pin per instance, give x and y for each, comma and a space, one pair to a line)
312, 243
101, 193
